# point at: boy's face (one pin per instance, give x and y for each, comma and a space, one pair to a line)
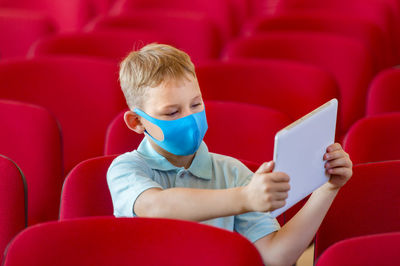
171, 100
174, 99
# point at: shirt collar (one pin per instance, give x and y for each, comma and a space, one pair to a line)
200, 167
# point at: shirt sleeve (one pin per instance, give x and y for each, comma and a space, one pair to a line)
128, 176
252, 225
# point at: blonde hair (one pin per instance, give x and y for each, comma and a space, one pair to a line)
149, 67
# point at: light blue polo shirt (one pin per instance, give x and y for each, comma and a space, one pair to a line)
132, 173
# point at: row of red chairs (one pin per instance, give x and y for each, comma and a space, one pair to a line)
220, 20
85, 194
373, 24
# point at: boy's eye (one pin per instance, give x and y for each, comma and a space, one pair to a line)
172, 113
196, 105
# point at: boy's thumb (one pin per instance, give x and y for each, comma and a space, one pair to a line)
265, 168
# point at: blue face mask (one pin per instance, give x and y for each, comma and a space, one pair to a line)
182, 136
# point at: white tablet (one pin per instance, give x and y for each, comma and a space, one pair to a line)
299, 150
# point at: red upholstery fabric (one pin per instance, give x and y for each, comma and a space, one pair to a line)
384, 93
69, 15
242, 130
105, 45
374, 138
85, 190
119, 138
368, 204
266, 83
343, 57
19, 29
31, 136
221, 12
381, 13
357, 28
127, 241
239, 130
83, 94
380, 249
190, 31
12, 208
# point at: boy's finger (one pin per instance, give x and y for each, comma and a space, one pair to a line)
280, 177
340, 162
334, 147
339, 171
265, 168
335, 155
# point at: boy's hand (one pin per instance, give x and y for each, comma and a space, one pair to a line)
266, 191
338, 165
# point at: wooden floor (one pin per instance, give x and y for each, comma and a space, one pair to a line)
307, 258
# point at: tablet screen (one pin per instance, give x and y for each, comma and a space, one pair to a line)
299, 150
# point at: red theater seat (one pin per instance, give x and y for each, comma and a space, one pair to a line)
13, 216
374, 138
85, 190
103, 45
220, 12
266, 83
69, 15
371, 250
384, 94
367, 204
31, 136
19, 29
83, 94
127, 241
383, 13
189, 31
243, 131
346, 59
357, 28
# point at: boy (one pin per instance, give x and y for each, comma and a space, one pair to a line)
173, 175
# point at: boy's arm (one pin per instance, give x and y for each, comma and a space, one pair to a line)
285, 246
266, 192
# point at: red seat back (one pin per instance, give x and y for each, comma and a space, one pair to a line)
384, 94
266, 83
221, 13
83, 94
379, 249
31, 136
374, 138
19, 29
85, 190
243, 131
190, 31
105, 45
13, 216
346, 59
367, 204
358, 28
127, 241
69, 15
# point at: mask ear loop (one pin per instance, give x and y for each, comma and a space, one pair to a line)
151, 120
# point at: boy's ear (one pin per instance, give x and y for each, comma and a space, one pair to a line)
133, 122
